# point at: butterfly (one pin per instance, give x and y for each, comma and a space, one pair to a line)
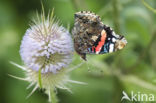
91, 36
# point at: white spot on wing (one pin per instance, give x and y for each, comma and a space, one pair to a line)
113, 39
113, 33
94, 38
111, 47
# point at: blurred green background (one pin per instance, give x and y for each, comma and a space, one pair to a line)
131, 69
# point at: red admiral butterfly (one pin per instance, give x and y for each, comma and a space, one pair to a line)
91, 36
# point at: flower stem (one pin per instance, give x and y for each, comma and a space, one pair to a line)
52, 96
39, 78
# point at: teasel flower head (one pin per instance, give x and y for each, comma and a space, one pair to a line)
46, 50
46, 46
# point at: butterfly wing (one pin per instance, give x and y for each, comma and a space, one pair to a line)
87, 28
107, 42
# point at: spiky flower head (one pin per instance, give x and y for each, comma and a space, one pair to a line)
46, 51
46, 46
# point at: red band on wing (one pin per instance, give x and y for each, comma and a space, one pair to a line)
101, 42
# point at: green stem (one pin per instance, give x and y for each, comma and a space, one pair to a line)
119, 87
39, 78
116, 16
149, 7
116, 22
52, 96
74, 3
